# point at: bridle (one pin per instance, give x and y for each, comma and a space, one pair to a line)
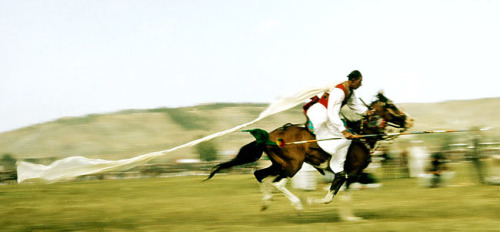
376, 123
381, 123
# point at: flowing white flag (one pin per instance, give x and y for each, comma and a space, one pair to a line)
71, 167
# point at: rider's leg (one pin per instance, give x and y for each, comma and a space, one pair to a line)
339, 148
317, 115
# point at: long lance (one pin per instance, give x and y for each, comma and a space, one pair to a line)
263, 137
282, 142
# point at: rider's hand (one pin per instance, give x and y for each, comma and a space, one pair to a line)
370, 112
347, 134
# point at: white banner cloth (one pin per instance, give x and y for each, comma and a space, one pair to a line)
71, 167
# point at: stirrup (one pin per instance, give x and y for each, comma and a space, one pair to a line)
341, 174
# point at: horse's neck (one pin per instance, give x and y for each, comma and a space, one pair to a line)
356, 127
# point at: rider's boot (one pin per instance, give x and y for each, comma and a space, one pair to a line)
338, 181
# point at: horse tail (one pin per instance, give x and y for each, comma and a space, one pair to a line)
247, 154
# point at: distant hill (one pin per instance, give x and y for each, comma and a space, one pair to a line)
130, 133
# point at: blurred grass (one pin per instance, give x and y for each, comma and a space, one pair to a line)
232, 203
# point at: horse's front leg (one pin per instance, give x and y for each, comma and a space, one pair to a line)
345, 209
338, 181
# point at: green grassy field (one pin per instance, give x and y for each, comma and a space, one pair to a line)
232, 203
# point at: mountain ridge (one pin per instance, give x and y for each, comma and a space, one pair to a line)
127, 133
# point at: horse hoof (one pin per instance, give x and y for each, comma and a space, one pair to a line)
298, 207
353, 219
265, 205
314, 201
299, 210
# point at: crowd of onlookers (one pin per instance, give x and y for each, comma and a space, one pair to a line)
414, 160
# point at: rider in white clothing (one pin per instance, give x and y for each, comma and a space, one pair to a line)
324, 115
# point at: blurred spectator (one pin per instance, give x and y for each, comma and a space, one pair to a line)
437, 172
386, 162
366, 180
418, 158
437, 167
306, 178
403, 164
494, 169
475, 157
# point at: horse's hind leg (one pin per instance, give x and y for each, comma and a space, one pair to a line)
267, 193
280, 184
265, 177
271, 183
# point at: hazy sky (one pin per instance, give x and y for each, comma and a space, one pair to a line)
62, 58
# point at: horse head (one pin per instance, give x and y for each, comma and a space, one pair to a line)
388, 113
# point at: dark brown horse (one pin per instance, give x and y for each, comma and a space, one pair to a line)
287, 160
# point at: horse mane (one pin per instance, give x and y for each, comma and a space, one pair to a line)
380, 96
354, 125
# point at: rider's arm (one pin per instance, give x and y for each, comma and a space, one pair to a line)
334, 104
356, 105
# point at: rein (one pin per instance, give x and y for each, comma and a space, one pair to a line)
383, 135
379, 124
373, 122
